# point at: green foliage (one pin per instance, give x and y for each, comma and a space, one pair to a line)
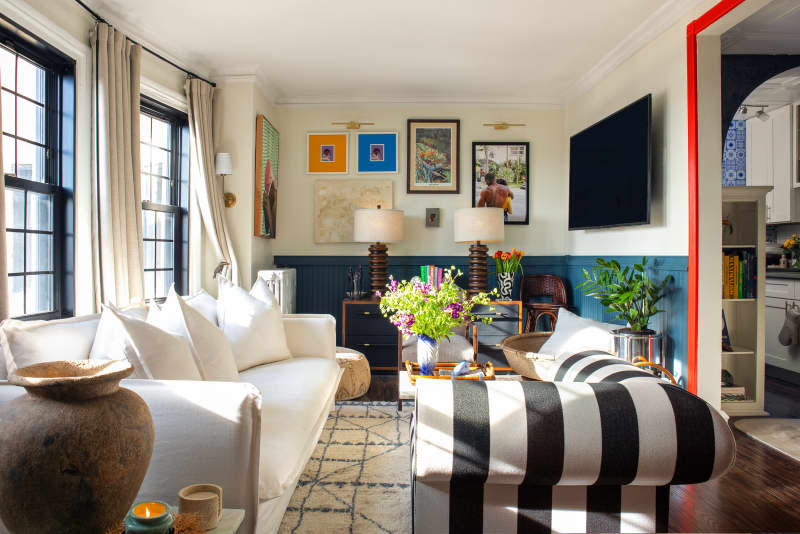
628, 292
418, 308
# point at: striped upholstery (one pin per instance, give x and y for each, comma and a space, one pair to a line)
504, 447
595, 366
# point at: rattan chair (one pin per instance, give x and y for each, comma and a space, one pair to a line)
542, 285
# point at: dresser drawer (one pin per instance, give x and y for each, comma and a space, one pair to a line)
782, 288
381, 351
366, 319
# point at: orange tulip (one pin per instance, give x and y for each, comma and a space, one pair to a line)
506, 256
497, 254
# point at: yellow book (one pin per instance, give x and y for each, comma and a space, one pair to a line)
730, 288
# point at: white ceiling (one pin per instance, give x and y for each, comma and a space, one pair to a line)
515, 51
774, 29
776, 92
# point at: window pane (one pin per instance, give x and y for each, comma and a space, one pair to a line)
164, 256
7, 68
149, 254
15, 248
40, 211
30, 120
144, 157
16, 295
163, 282
146, 187
156, 184
39, 293
148, 224
144, 128
15, 208
30, 164
162, 194
40, 252
161, 133
164, 225
159, 163
30, 80
149, 284
8, 112
8, 155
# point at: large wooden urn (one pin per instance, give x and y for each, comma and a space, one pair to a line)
75, 448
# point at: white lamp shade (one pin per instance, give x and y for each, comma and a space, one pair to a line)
223, 163
478, 224
377, 226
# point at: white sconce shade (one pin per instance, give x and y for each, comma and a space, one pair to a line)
377, 225
223, 164
478, 224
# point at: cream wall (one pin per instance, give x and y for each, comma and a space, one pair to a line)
544, 130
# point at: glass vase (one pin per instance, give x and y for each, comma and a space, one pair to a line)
427, 354
505, 285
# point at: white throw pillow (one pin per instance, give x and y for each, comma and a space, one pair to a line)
262, 292
153, 352
210, 347
110, 332
205, 304
253, 328
25, 343
574, 334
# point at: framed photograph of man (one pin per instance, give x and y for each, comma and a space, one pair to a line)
327, 153
501, 178
376, 152
433, 153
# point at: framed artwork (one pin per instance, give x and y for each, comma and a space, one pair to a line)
327, 153
266, 179
335, 202
376, 153
433, 151
501, 178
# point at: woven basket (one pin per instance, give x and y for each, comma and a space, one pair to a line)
356, 377
522, 352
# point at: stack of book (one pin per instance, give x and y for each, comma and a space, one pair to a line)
432, 274
739, 274
734, 393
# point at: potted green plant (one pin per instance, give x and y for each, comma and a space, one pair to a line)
632, 295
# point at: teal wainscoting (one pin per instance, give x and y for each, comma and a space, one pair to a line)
321, 282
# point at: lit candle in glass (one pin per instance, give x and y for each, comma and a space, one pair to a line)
152, 517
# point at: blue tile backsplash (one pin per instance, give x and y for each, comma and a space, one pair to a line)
734, 155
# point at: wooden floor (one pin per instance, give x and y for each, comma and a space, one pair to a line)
760, 493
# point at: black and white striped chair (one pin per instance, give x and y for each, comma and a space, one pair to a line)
593, 452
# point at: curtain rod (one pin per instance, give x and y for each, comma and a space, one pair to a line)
191, 74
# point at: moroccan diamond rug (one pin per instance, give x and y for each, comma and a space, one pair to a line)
357, 480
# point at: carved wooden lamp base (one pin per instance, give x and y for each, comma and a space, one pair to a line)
378, 268
478, 269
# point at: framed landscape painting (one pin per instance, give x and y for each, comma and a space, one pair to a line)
433, 151
501, 178
376, 153
327, 153
266, 184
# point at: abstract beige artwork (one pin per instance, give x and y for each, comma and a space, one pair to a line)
336, 200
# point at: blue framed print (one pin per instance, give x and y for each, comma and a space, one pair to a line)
376, 153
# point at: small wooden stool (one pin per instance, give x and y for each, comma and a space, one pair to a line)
356, 377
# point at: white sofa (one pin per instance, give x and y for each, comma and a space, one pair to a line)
252, 437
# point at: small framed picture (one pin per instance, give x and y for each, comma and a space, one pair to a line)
327, 153
433, 152
501, 178
376, 153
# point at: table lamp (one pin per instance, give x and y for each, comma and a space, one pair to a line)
377, 226
478, 226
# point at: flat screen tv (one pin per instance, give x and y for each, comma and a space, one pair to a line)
610, 168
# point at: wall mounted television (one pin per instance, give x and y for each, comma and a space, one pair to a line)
610, 167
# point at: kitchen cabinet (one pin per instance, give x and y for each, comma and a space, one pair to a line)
777, 355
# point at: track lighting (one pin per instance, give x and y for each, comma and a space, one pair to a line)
762, 115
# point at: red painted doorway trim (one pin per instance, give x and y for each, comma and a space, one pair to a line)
719, 10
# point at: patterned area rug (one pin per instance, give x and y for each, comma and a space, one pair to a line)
358, 478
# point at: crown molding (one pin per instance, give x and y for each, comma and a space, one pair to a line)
322, 101
259, 79
657, 23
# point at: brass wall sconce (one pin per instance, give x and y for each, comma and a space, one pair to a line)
223, 163
502, 125
353, 125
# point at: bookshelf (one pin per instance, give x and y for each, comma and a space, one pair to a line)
743, 304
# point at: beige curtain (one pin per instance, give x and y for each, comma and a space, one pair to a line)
200, 97
116, 179
4, 306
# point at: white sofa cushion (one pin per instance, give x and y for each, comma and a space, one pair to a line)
25, 343
205, 304
574, 334
295, 393
153, 352
210, 348
253, 327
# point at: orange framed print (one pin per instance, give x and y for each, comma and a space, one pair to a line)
327, 152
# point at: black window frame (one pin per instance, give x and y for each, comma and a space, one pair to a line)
60, 106
179, 191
